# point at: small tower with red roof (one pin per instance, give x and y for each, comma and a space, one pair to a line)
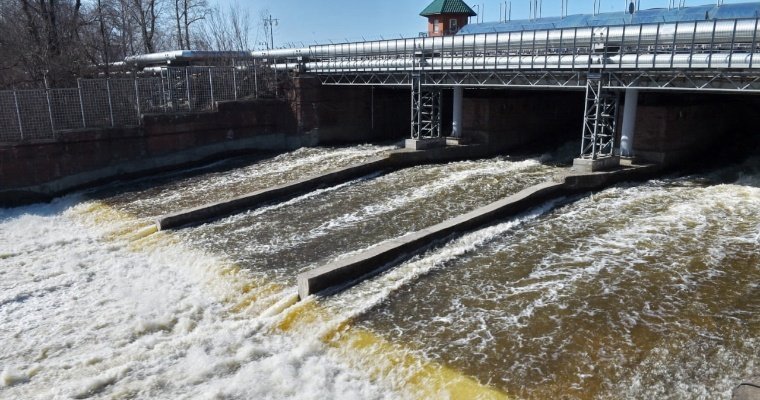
447, 17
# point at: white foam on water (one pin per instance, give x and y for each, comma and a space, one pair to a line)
439, 179
363, 297
82, 317
286, 167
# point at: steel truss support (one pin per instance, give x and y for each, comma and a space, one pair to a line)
426, 110
683, 81
599, 118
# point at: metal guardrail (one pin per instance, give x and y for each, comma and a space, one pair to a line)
708, 44
28, 115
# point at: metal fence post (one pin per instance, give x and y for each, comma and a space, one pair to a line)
18, 116
211, 84
81, 103
110, 103
255, 81
234, 81
187, 84
137, 101
50, 113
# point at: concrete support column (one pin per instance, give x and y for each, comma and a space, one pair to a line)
456, 125
629, 122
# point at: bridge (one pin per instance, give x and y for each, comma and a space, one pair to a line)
698, 55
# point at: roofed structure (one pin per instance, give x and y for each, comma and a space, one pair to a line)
439, 7
447, 17
656, 15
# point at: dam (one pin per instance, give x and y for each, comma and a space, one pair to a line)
645, 285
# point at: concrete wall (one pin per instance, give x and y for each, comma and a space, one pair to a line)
33, 171
511, 118
675, 127
350, 114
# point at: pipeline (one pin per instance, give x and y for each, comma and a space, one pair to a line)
182, 55
698, 33
566, 62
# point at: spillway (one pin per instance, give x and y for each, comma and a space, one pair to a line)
153, 197
637, 291
644, 291
288, 238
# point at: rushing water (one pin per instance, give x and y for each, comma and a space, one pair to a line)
646, 291
154, 197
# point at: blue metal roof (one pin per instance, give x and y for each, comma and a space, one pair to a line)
655, 15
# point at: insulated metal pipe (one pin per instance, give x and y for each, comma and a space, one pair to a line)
565, 62
682, 33
183, 55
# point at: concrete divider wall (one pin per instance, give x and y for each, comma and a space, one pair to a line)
398, 159
368, 263
226, 207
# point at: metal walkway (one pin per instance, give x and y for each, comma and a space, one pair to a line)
697, 56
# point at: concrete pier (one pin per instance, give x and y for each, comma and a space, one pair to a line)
629, 122
372, 261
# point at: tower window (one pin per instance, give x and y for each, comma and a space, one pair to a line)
453, 24
436, 29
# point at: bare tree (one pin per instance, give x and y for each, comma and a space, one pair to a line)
228, 29
178, 13
50, 26
146, 14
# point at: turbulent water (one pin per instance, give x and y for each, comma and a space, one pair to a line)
649, 291
646, 291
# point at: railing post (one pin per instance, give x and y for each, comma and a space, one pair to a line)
590, 46
575, 45
485, 48
496, 54
81, 103
519, 51
533, 50
656, 43
673, 50
546, 48
712, 44
211, 84
733, 42
110, 103
18, 116
754, 43
50, 112
693, 43
638, 45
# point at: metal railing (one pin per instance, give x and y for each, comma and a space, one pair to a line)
101, 103
708, 44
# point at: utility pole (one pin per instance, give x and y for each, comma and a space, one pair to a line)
271, 22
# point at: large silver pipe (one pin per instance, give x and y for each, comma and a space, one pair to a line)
696, 32
182, 55
567, 62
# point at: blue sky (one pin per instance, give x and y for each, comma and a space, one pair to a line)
308, 21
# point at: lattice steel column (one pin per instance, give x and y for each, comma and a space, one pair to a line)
599, 118
426, 110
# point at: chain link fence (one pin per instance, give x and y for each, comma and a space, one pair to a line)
117, 102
